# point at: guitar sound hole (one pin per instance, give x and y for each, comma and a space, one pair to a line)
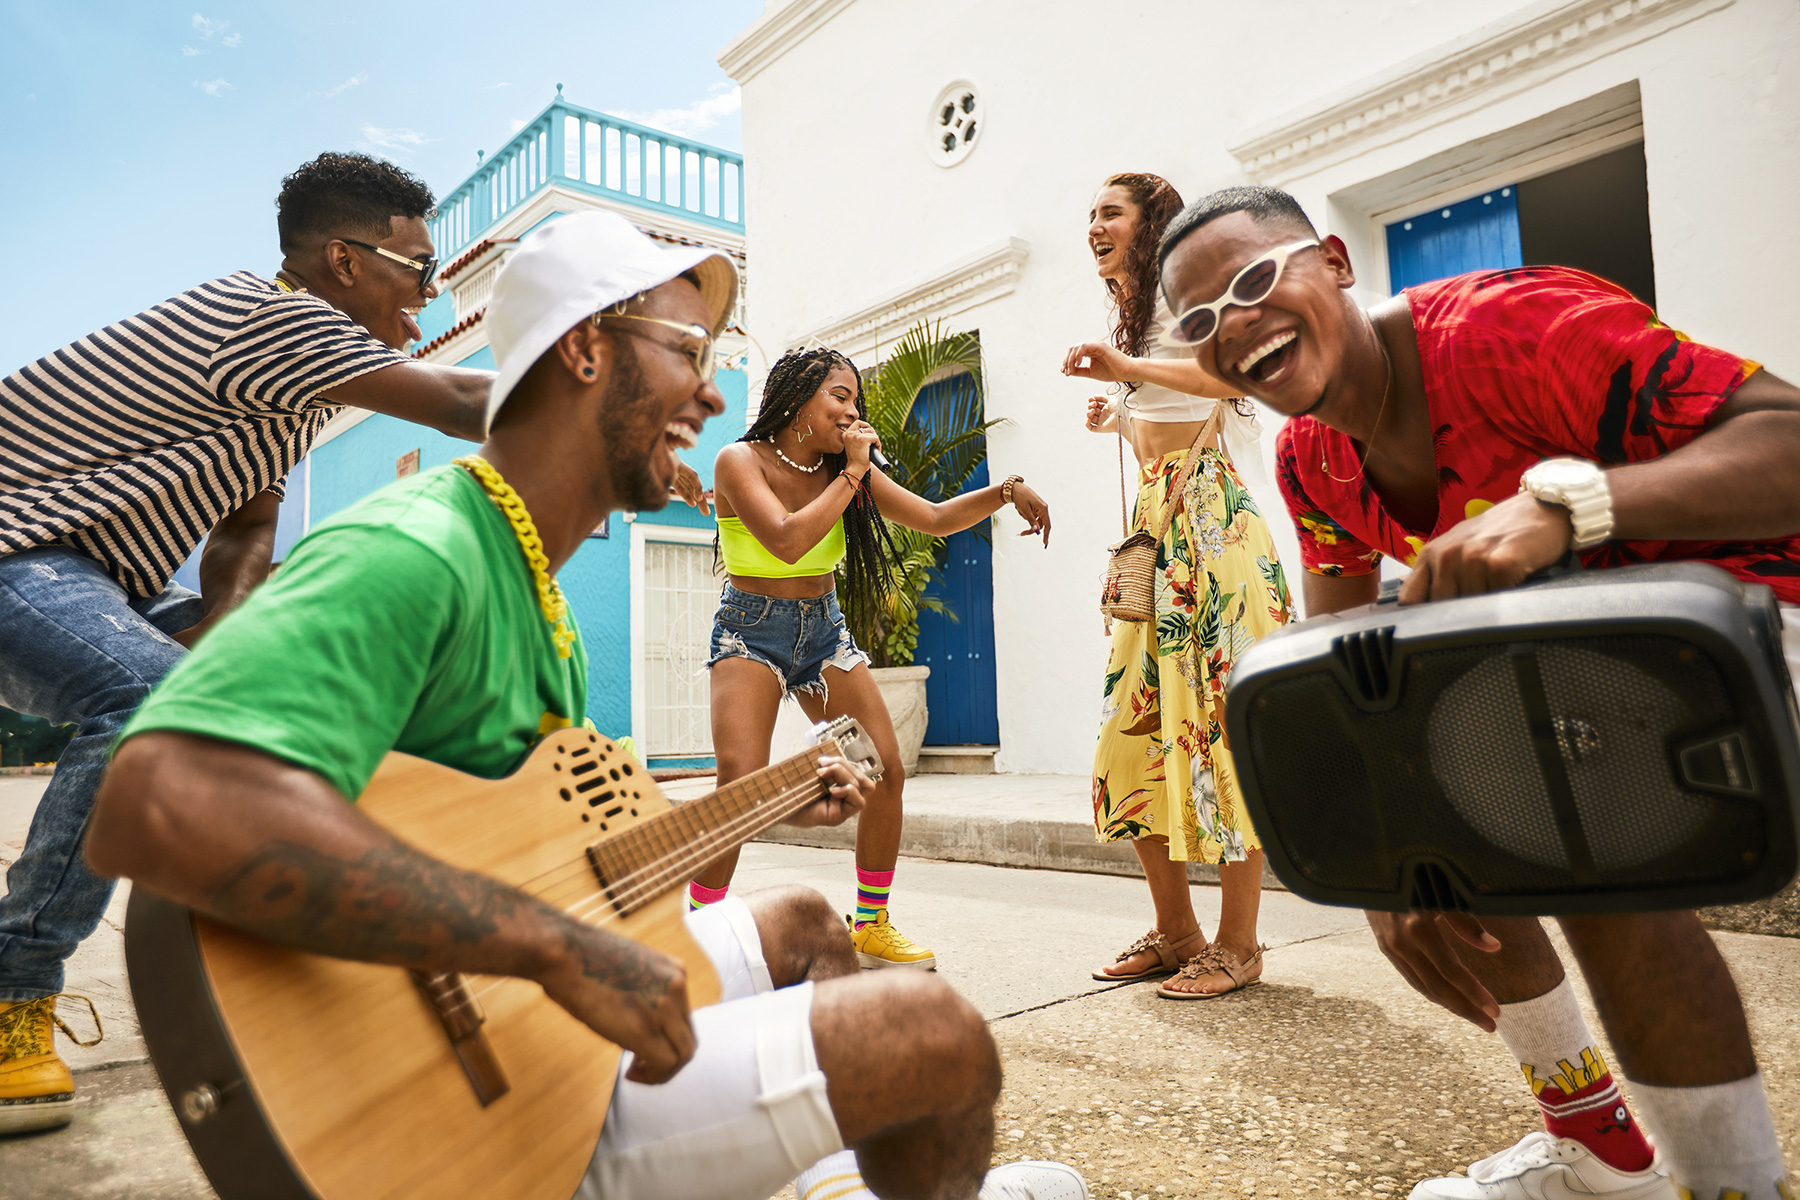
580, 752
584, 816
615, 774
614, 811
602, 798
625, 767
589, 785
634, 812
565, 794
582, 768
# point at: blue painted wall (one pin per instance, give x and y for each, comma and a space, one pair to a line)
1477, 234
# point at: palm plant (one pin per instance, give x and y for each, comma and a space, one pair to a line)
934, 449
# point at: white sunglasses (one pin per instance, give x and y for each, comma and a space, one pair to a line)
1251, 285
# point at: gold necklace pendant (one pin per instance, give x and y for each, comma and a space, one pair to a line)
551, 601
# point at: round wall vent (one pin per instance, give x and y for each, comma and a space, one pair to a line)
956, 121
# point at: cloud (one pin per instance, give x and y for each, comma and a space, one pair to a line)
518, 124
232, 42
490, 87
340, 89
206, 28
215, 88
695, 118
188, 52
391, 141
31, 97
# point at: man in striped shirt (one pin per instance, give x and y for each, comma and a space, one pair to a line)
126, 448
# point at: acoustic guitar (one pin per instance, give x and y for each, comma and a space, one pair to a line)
301, 1077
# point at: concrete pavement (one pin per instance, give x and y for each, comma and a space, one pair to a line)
1330, 1079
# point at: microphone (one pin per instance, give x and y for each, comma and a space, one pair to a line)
880, 460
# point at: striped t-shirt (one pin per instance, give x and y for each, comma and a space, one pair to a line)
132, 443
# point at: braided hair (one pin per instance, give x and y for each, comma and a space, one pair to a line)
870, 552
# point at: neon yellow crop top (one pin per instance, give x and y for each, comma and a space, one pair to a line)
744, 555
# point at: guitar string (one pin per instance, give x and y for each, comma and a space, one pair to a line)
575, 868
720, 838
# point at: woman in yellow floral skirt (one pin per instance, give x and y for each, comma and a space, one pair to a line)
1162, 774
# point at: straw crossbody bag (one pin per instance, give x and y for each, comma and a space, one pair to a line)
1128, 590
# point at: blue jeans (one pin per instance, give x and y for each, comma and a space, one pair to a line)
796, 639
74, 649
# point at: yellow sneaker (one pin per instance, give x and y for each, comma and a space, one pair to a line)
879, 944
36, 1090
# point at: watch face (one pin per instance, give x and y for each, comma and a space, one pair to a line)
1560, 475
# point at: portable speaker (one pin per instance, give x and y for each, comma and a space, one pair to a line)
1605, 741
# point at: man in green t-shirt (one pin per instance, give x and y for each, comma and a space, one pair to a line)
426, 619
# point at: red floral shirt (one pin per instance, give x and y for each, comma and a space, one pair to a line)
1519, 366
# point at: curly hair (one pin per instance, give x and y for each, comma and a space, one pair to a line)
1134, 299
347, 194
796, 378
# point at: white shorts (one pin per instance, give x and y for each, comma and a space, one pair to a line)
747, 1114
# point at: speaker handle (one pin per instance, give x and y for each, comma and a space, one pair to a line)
1568, 564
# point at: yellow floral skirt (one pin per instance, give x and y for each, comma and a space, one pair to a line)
1161, 769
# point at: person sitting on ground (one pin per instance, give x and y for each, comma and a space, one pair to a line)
1418, 431
1163, 776
797, 496
122, 451
440, 588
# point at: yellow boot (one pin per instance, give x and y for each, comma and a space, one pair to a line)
36, 1090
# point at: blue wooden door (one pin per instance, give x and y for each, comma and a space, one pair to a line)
1477, 234
960, 693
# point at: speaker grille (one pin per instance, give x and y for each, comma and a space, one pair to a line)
1535, 767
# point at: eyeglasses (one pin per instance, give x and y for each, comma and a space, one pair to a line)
426, 267
1251, 285
701, 355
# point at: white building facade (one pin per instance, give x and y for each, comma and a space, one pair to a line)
917, 161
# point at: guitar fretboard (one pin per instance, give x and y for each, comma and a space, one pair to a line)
641, 863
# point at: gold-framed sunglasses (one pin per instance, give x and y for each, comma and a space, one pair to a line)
706, 363
1251, 285
426, 267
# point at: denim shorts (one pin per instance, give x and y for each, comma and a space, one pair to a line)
796, 639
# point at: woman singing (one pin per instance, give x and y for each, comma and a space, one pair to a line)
797, 496
1162, 774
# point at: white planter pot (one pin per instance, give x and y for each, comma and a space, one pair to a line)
903, 690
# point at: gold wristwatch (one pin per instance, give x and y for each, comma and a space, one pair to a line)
1006, 487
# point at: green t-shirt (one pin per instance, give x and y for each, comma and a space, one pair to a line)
408, 622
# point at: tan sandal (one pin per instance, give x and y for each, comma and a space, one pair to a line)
1216, 960
1168, 960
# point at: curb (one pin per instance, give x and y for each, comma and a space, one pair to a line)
1040, 845
1070, 846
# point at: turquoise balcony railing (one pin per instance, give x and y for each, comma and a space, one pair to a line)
588, 151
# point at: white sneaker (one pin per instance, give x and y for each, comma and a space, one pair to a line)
1542, 1167
1033, 1180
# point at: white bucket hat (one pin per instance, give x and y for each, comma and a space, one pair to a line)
570, 269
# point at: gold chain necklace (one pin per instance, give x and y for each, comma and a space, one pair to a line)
550, 596
1387, 386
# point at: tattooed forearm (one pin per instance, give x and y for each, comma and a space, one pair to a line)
393, 905
616, 962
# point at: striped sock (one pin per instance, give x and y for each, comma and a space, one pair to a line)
872, 889
834, 1177
699, 895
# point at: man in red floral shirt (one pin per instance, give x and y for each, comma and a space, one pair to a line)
1415, 425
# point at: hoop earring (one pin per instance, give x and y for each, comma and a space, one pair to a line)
801, 437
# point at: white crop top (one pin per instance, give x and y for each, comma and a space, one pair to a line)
1152, 402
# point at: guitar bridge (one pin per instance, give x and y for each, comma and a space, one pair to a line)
460, 1012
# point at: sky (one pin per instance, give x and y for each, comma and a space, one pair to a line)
144, 142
